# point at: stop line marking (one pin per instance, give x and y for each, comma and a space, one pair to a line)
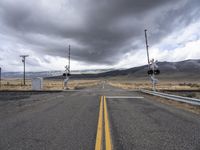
125, 97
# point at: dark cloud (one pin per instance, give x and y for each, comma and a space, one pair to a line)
99, 31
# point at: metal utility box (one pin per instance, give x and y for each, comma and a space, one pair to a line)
37, 84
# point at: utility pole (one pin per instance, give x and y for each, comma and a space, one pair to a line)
24, 61
147, 47
69, 60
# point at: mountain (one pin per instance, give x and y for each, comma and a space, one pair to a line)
31, 74
188, 69
46, 74
183, 70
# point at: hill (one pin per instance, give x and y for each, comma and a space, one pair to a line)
188, 69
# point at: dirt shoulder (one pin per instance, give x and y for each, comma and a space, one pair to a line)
179, 105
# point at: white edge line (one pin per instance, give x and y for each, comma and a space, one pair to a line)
125, 97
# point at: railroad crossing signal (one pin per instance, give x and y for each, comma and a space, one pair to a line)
67, 71
152, 65
153, 68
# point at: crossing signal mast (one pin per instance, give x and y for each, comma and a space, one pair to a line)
147, 47
152, 65
24, 62
67, 70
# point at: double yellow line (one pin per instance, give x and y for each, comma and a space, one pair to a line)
103, 125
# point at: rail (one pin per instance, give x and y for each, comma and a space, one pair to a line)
188, 100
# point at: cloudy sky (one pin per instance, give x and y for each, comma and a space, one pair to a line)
102, 33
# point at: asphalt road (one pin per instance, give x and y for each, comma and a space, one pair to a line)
85, 120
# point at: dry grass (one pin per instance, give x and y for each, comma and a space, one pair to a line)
17, 84
165, 85
72, 84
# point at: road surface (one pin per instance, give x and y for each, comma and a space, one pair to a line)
102, 117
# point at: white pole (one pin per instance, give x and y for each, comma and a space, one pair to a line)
147, 47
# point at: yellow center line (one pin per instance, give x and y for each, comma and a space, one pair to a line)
103, 118
107, 127
98, 145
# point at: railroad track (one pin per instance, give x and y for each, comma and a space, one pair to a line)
193, 101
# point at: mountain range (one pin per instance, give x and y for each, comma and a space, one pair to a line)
187, 69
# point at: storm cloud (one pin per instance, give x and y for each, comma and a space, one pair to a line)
99, 32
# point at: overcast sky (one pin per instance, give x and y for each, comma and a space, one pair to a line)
102, 33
